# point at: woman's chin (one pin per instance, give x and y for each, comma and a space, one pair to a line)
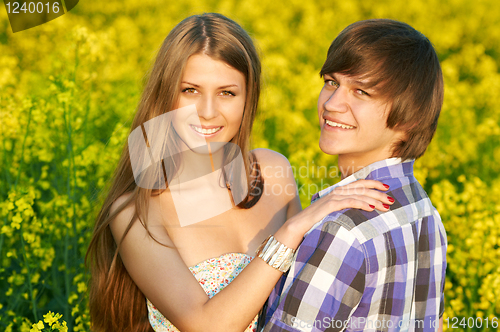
203, 149
210, 147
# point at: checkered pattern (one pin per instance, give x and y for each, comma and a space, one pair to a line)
368, 271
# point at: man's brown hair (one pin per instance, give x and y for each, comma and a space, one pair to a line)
401, 64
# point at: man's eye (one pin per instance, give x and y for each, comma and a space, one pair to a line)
331, 83
364, 93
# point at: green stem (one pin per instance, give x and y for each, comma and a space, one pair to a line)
2, 235
33, 301
66, 273
25, 257
71, 195
87, 111
22, 149
4, 154
6, 168
67, 120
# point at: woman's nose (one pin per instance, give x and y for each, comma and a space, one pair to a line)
207, 108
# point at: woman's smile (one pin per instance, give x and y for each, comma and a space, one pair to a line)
218, 93
209, 131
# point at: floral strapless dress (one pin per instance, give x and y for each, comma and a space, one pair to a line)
213, 275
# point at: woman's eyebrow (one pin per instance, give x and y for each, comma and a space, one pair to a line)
220, 87
186, 82
229, 86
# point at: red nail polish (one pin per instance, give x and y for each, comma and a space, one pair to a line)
390, 199
385, 205
372, 206
386, 186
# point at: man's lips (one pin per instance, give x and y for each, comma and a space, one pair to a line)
336, 124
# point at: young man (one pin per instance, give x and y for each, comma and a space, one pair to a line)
372, 271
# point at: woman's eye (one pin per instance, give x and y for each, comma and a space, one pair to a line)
189, 90
227, 93
361, 92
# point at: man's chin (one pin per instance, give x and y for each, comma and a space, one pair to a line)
329, 147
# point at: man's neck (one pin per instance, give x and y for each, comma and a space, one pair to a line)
351, 164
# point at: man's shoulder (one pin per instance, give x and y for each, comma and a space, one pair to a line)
411, 203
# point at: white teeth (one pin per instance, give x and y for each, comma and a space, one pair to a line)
206, 131
335, 124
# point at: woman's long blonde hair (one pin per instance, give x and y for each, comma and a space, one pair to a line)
116, 303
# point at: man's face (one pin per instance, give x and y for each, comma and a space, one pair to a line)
353, 121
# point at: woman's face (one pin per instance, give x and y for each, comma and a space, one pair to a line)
218, 92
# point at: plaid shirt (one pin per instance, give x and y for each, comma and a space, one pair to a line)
368, 271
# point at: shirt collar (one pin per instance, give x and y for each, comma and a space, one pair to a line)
380, 170
383, 169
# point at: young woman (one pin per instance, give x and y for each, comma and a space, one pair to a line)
163, 234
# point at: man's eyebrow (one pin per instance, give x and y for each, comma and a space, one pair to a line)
365, 84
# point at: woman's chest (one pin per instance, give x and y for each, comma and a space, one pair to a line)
237, 230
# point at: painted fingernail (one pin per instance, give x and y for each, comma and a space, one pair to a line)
386, 186
372, 206
385, 205
390, 199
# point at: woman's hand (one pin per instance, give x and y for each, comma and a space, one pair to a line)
362, 194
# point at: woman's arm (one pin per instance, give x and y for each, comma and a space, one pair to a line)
166, 281
163, 277
280, 178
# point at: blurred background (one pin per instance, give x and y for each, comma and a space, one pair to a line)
68, 93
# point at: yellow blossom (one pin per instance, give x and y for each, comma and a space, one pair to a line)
50, 318
37, 327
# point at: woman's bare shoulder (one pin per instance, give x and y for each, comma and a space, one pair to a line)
121, 220
127, 212
273, 165
122, 200
278, 175
152, 217
270, 158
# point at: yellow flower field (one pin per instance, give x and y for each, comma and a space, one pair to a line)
68, 92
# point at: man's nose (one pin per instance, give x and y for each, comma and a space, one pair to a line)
337, 101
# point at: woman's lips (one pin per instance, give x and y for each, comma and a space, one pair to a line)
206, 131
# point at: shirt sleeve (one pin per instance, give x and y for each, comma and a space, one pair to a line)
441, 306
328, 289
444, 245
